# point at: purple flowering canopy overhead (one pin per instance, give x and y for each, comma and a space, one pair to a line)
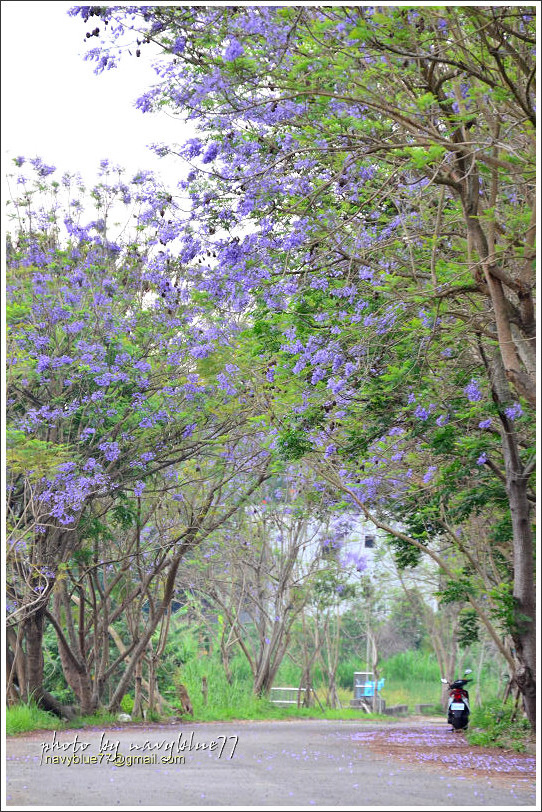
312, 195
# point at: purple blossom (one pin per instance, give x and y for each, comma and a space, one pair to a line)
42, 168
429, 474
484, 424
139, 488
43, 363
211, 152
317, 375
233, 51
179, 46
335, 385
111, 451
201, 350
357, 560
225, 385
513, 411
74, 326
482, 458
472, 391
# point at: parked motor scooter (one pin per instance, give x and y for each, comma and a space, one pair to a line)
458, 704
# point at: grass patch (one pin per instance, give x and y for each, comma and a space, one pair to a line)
25, 717
99, 719
250, 707
268, 711
492, 726
396, 692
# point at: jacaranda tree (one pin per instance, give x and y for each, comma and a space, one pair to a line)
111, 396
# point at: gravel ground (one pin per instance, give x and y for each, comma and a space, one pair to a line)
412, 763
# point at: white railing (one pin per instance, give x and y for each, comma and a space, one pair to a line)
287, 696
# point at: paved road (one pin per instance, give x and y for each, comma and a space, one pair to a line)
298, 763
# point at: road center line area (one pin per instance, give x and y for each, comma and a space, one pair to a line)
295, 763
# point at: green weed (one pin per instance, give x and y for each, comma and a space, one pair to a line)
24, 717
492, 725
101, 718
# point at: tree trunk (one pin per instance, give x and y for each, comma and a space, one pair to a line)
524, 632
34, 654
34, 663
263, 680
152, 679
16, 666
478, 697
225, 657
74, 665
152, 624
137, 710
375, 670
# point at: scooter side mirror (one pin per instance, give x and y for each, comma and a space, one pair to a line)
444, 681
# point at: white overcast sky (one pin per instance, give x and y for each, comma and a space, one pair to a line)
55, 107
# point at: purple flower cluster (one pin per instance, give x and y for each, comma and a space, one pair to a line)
472, 391
513, 411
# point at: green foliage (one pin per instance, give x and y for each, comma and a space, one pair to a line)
102, 718
469, 627
456, 591
407, 619
236, 700
492, 726
405, 554
24, 717
329, 588
293, 444
266, 336
33, 457
505, 608
501, 531
54, 676
127, 703
412, 666
443, 440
